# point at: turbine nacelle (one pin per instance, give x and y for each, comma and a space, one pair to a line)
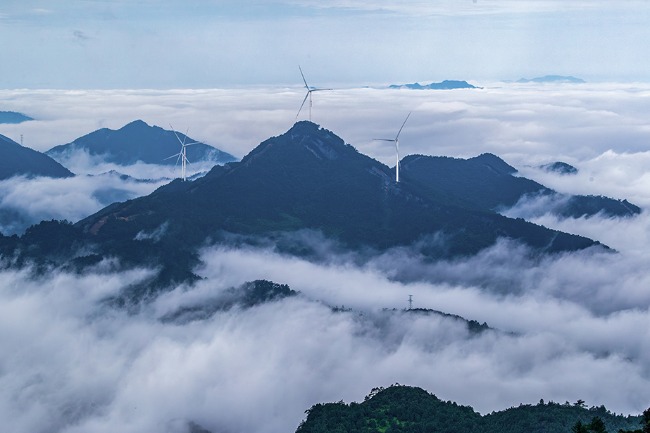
310, 90
182, 155
396, 141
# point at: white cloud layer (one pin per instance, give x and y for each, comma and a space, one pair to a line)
573, 326
24, 201
568, 332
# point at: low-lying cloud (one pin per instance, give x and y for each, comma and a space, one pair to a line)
79, 365
567, 327
81, 162
27, 201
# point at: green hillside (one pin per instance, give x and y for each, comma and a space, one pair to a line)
408, 409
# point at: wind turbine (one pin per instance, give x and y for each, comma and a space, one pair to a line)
396, 141
308, 95
182, 155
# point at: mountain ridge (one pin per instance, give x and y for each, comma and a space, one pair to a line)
309, 178
409, 409
13, 117
138, 142
487, 182
306, 180
17, 160
443, 85
553, 79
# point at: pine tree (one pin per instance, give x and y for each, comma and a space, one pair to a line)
597, 425
579, 427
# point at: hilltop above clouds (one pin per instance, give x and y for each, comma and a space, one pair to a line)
138, 142
13, 117
17, 160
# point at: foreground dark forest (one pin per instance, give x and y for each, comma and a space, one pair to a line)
407, 409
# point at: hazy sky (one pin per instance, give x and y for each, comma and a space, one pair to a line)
220, 43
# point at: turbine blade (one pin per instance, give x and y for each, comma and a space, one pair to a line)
177, 137
400, 130
170, 157
303, 103
318, 90
185, 137
383, 139
303, 77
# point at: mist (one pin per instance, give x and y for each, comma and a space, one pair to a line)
27, 201
564, 327
567, 332
81, 162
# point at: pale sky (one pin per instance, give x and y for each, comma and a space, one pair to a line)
108, 44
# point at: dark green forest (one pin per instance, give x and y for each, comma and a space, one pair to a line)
406, 409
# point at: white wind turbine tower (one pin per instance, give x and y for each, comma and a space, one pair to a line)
396, 141
308, 95
182, 155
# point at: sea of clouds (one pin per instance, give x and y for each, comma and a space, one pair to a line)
567, 327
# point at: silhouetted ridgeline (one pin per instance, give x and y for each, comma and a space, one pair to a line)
306, 179
443, 85
486, 182
17, 160
13, 117
407, 409
138, 141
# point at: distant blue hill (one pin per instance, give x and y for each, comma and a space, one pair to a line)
443, 85
559, 167
17, 160
553, 79
138, 141
13, 117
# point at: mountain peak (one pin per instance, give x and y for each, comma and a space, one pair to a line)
138, 141
304, 131
136, 124
305, 140
495, 163
305, 126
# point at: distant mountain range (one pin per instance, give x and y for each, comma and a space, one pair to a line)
138, 141
307, 179
17, 160
443, 85
553, 79
13, 117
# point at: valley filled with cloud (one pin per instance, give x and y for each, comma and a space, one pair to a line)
564, 327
